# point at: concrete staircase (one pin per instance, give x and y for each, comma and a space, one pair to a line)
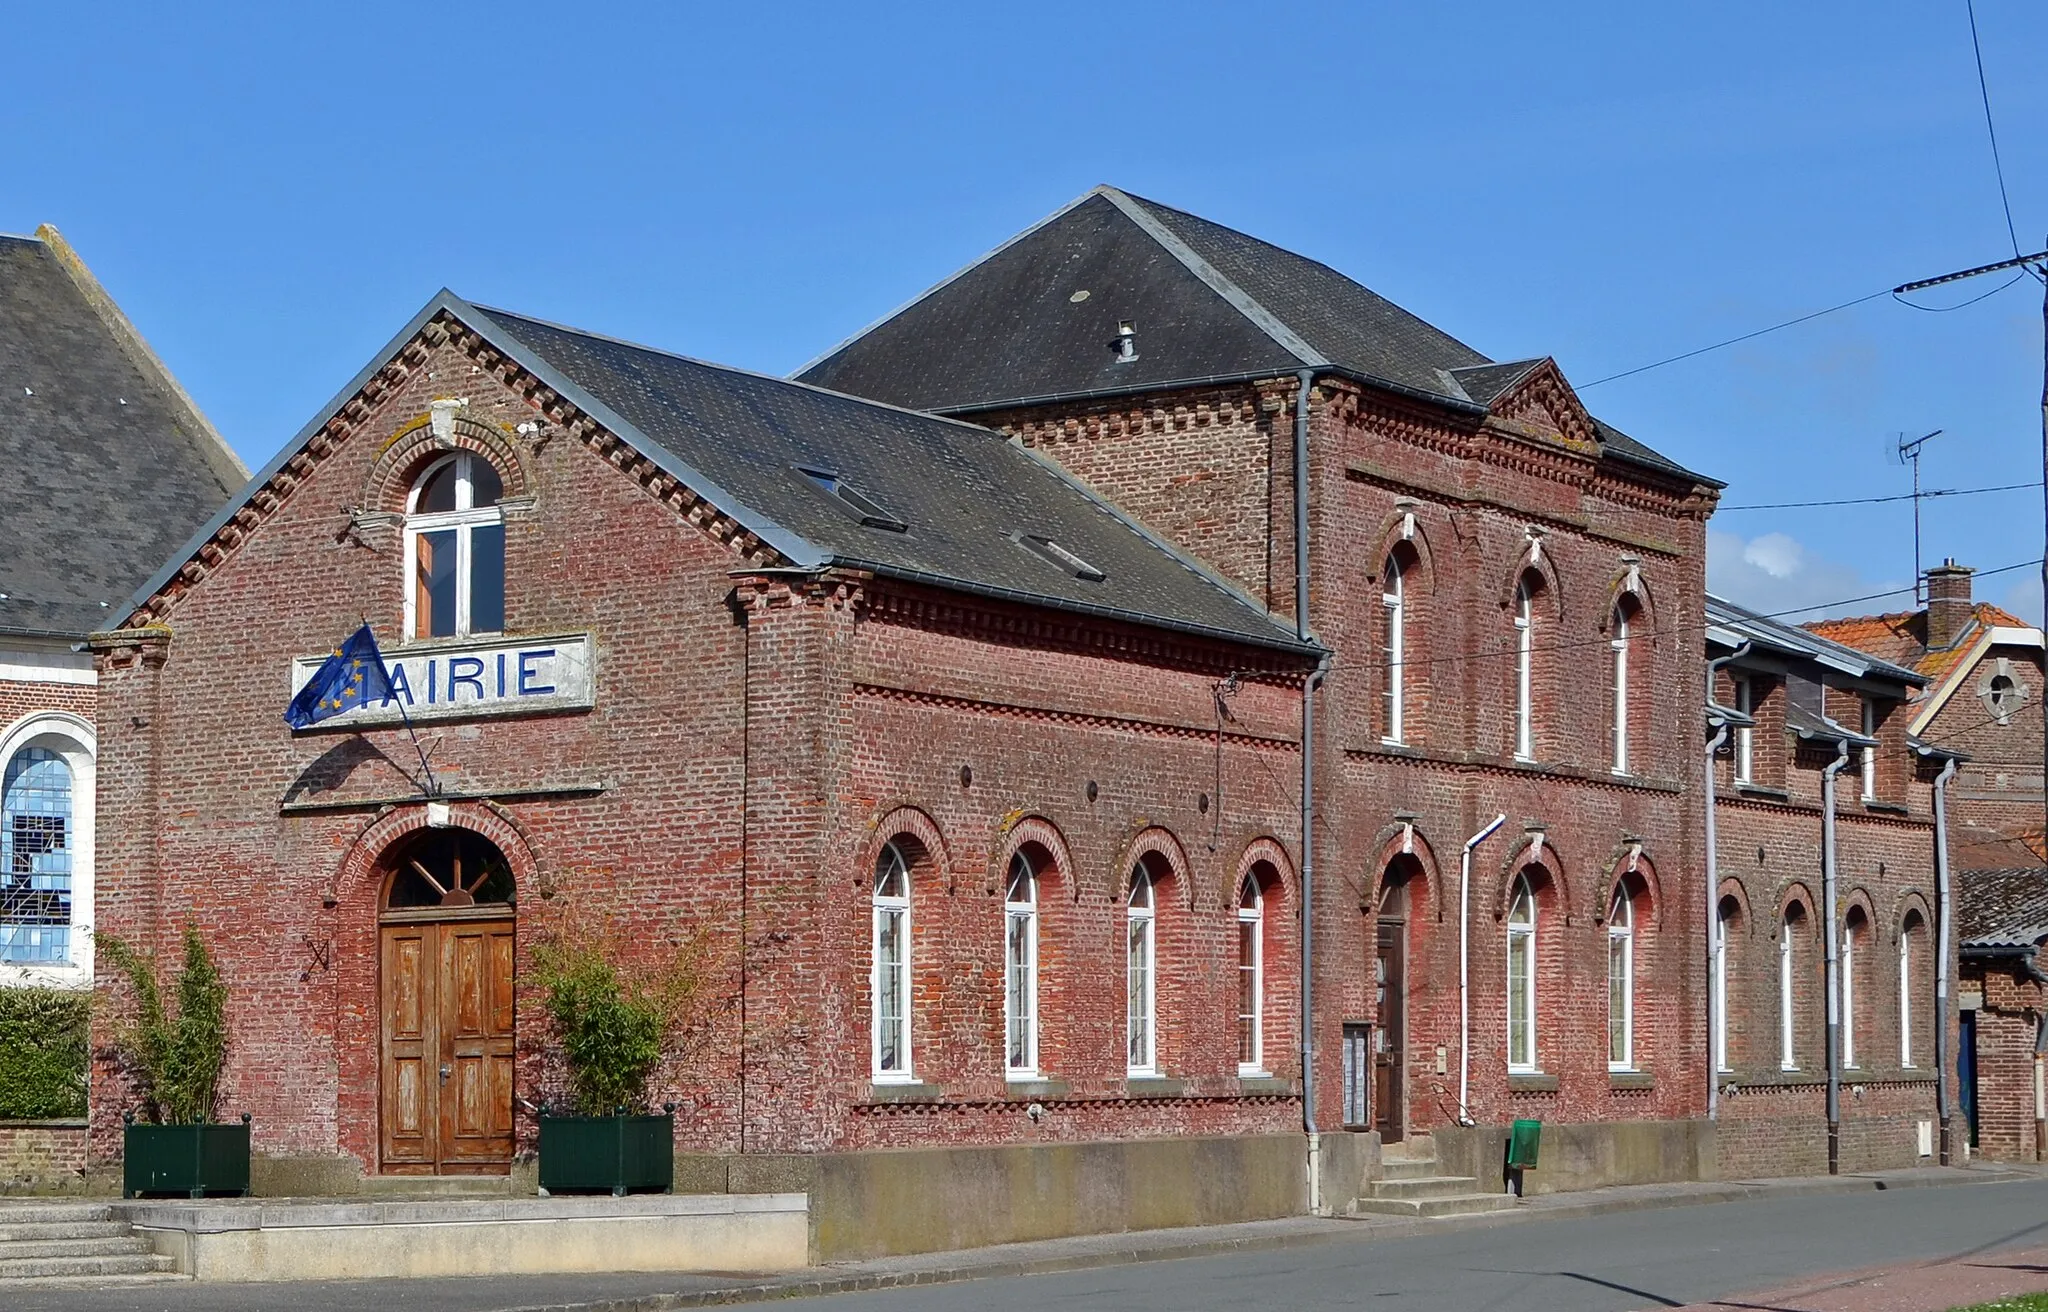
1409, 1185
55, 1244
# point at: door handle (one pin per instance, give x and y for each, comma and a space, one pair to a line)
445, 1073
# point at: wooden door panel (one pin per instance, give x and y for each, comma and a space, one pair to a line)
410, 1046
1390, 1076
476, 1009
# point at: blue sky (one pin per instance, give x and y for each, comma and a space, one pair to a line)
271, 191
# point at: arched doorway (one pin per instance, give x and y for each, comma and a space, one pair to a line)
446, 936
1398, 889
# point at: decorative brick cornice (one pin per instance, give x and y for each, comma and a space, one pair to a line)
1082, 719
147, 645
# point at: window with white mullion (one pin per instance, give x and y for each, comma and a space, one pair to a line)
1251, 983
1522, 979
1621, 983
1788, 1057
1020, 960
1140, 998
1721, 924
890, 985
1869, 754
1745, 736
455, 550
1849, 993
1525, 654
1394, 599
1906, 998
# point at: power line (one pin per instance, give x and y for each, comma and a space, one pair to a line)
1984, 94
1659, 364
1872, 501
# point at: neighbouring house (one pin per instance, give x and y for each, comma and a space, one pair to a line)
2001, 922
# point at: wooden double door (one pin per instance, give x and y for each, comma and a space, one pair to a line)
1390, 1038
447, 1051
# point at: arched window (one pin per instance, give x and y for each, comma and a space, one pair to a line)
1619, 644
450, 867
1788, 1054
1251, 978
1726, 917
1621, 982
1394, 655
1020, 968
35, 859
455, 549
1522, 977
1141, 964
1855, 929
891, 948
1525, 661
1907, 933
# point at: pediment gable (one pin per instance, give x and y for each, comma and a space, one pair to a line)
1542, 406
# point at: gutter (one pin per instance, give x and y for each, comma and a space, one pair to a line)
1465, 966
1715, 950
1833, 946
1305, 380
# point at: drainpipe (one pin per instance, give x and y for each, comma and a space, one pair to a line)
1465, 966
1834, 965
1714, 882
1304, 381
1941, 911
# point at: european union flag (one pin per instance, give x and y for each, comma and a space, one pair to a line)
351, 677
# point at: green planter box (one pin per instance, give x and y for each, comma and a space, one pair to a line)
614, 1154
188, 1160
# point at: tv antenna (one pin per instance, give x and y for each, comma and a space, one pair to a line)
1908, 453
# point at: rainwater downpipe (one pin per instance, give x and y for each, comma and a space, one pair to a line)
1465, 966
1832, 943
1305, 380
1713, 887
1941, 917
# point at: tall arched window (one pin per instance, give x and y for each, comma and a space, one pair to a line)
1251, 978
1621, 982
1141, 963
1854, 927
891, 949
1394, 655
1726, 916
35, 859
1907, 932
1020, 968
1522, 977
1525, 661
455, 549
1788, 1054
1619, 644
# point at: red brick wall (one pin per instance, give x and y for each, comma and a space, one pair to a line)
40, 1155
1999, 787
2006, 1026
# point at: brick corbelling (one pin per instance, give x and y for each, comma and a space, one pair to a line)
343, 425
1086, 719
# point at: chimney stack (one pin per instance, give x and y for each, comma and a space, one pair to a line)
1949, 610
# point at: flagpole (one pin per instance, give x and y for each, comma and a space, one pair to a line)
429, 785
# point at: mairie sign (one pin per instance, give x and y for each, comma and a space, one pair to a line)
468, 677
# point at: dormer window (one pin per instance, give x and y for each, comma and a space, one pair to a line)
1058, 556
853, 501
455, 550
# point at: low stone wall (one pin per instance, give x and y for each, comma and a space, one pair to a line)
1585, 1154
42, 1157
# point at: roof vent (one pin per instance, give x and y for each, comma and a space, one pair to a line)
852, 501
1058, 556
1126, 342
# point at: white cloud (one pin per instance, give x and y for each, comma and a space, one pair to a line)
2024, 599
1775, 572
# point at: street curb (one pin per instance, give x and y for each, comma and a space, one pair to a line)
851, 1283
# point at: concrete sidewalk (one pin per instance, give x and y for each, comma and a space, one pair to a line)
1912, 1287
658, 1293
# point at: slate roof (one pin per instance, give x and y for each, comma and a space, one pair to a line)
2001, 910
108, 464
742, 441
1036, 320
1728, 625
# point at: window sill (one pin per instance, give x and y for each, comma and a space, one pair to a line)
1631, 1080
1035, 1089
904, 1091
1764, 794
1886, 808
1265, 1086
1154, 1086
1531, 1082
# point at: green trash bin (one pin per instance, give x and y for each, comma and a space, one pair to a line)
1523, 1142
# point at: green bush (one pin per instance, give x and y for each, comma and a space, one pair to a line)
43, 1052
175, 1061
614, 1028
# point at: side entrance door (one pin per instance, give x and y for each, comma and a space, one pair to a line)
447, 1043
1390, 1037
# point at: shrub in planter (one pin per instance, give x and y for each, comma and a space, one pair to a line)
43, 1052
174, 1062
614, 1028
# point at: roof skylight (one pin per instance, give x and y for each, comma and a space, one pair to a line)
1058, 556
854, 502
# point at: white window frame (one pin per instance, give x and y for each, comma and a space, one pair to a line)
72, 738
1848, 992
888, 907
1394, 598
464, 520
1020, 914
1141, 977
1788, 1055
1619, 644
1522, 933
1621, 954
1905, 998
1869, 754
1745, 735
1252, 917
1720, 987
1525, 705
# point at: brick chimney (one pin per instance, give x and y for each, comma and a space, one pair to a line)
1948, 604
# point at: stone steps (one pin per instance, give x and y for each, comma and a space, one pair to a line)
73, 1245
1410, 1184
1444, 1205
137, 1263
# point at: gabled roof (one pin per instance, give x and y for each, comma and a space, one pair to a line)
1037, 318
1729, 625
2001, 911
1901, 636
759, 449
109, 464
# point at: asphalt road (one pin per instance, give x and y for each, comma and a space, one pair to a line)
1644, 1259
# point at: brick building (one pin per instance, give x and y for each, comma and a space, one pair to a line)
110, 466
1787, 699
983, 795
2002, 921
